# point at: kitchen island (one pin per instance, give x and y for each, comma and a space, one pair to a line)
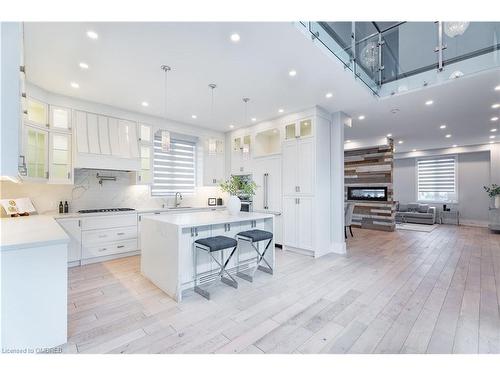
167, 246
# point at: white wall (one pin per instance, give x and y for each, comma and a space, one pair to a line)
473, 174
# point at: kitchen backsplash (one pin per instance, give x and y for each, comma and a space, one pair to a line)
88, 193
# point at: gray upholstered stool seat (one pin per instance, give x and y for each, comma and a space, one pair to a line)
217, 243
256, 235
212, 245
253, 236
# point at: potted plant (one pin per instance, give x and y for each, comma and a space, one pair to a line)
235, 186
494, 192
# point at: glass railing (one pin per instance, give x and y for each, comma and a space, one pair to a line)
392, 57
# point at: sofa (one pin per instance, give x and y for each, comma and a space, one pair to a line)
416, 213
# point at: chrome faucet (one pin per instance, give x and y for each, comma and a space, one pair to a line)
178, 203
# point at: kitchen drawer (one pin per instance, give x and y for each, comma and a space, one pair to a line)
108, 221
99, 236
109, 249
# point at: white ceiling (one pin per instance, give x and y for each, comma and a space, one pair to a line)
125, 70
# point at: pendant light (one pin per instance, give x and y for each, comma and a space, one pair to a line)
212, 142
165, 134
246, 138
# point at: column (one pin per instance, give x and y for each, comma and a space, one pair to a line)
339, 120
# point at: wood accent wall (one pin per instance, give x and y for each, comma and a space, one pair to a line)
372, 167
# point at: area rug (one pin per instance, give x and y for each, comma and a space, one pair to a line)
416, 227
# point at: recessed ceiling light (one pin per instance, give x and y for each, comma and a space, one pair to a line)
400, 142
92, 34
493, 130
348, 141
362, 117
497, 88
281, 110
74, 85
231, 126
495, 106
494, 118
235, 37
454, 145
254, 119
328, 95
414, 150
429, 102
448, 135
194, 116
389, 135
292, 73
84, 65
145, 104
493, 136
442, 126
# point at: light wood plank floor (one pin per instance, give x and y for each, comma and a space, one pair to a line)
401, 292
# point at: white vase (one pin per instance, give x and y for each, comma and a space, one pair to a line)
233, 205
497, 201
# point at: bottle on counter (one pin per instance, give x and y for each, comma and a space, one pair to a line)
61, 207
66, 207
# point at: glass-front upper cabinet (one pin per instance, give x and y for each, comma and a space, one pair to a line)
36, 112
60, 118
35, 149
301, 129
60, 158
145, 175
145, 133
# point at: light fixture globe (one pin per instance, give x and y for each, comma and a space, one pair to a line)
453, 29
369, 55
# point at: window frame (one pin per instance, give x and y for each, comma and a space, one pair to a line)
434, 201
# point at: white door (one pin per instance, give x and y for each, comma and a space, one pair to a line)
93, 134
305, 222
82, 143
60, 166
290, 236
37, 112
36, 144
102, 124
290, 160
133, 139
124, 138
305, 166
73, 230
114, 141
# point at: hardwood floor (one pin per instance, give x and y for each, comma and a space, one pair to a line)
400, 292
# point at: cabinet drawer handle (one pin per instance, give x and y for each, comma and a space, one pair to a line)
120, 246
120, 233
103, 235
103, 249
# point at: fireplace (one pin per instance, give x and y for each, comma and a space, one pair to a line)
366, 193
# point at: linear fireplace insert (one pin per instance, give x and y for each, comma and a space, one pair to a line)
366, 193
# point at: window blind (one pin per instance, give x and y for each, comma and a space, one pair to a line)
436, 178
174, 171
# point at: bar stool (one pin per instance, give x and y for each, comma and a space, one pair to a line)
212, 245
253, 236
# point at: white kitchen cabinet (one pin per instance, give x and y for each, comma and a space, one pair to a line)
299, 129
133, 139
102, 124
36, 143
73, 230
82, 142
93, 134
37, 112
60, 166
145, 174
213, 162
298, 222
127, 136
145, 133
241, 155
60, 118
267, 142
298, 167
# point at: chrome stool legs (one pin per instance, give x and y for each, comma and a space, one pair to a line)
251, 238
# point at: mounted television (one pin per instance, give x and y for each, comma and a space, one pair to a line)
366, 193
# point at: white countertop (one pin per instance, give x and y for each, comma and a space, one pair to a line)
30, 231
72, 215
194, 219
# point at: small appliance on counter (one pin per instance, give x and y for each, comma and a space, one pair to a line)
212, 201
219, 202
